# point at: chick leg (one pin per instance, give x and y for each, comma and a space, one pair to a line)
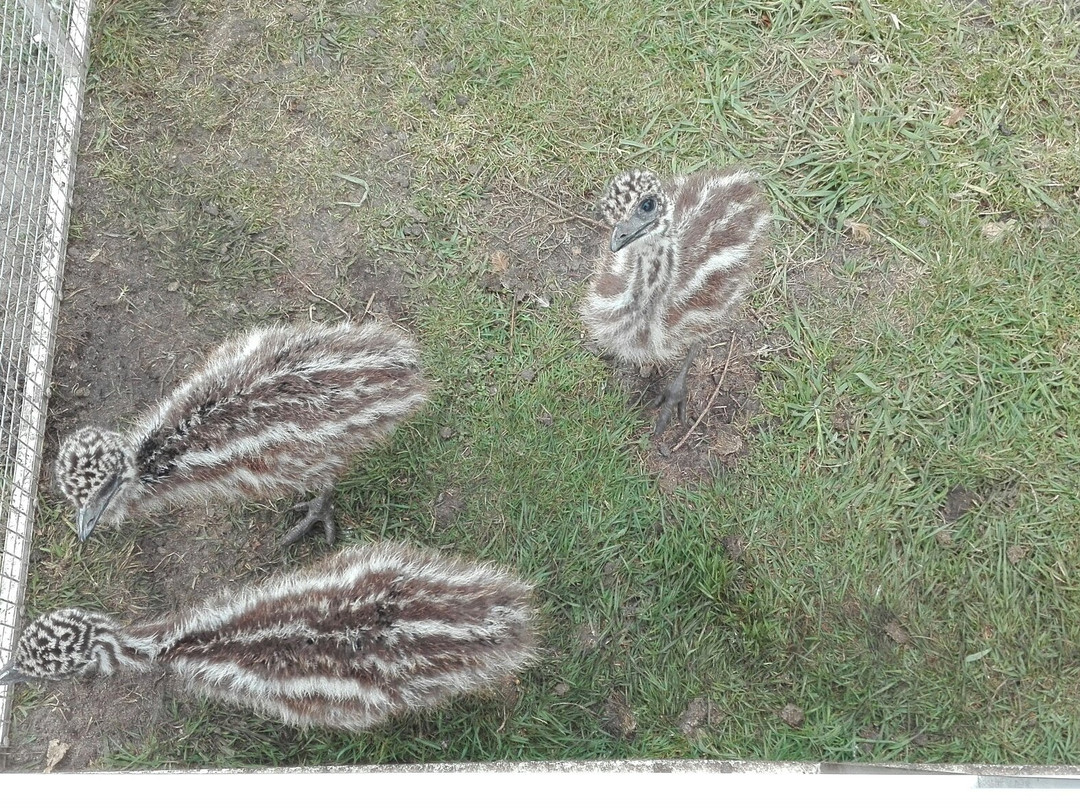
320, 509
674, 397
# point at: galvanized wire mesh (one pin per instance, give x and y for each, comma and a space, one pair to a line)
43, 54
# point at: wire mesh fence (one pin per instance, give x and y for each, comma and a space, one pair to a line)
43, 55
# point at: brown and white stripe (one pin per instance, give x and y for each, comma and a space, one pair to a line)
370, 632
278, 410
655, 299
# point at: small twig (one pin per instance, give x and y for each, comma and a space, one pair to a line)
313, 293
165, 375
712, 398
301, 282
367, 308
563, 208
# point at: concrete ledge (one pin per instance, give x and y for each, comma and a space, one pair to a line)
982, 770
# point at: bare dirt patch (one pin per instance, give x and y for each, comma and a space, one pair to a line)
544, 243
958, 502
91, 718
701, 717
720, 405
618, 717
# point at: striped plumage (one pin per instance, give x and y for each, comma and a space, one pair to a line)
682, 256
367, 633
275, 411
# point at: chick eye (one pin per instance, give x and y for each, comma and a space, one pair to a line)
648, 205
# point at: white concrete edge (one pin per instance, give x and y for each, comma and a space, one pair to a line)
666, 767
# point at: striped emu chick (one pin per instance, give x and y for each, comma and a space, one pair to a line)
683, 253
368, 633
276, 411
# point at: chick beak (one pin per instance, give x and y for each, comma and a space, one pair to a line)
86, 518
628, 231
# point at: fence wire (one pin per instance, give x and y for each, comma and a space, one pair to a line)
43, 55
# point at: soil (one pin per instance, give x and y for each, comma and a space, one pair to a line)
701, 717
721, 404
618, 717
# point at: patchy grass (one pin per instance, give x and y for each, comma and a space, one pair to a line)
895, 553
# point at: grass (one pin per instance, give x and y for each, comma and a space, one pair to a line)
915, 356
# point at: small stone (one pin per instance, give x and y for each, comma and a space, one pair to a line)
728, 442
527, 375
1017, 553
897, 633
923, 221
954, 117
172, 287
54, 754
561, 689
446, 433
792, 716
461, 100
995, 231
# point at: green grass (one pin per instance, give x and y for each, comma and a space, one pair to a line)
917, 359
